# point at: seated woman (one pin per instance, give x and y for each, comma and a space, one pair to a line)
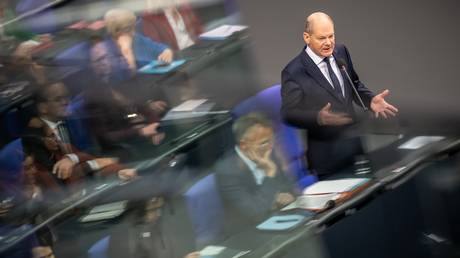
110, 106
176, 25
128, 49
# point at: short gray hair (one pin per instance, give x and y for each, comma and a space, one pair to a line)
244, 123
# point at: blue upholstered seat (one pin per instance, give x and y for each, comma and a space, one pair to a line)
205, 210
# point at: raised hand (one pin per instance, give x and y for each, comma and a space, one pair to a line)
381, 107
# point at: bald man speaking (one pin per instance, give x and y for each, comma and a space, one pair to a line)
318, 96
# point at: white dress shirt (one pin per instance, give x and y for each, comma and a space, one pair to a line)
180, 30
323, 67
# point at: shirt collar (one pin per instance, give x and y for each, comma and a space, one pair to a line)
51, 124
316, 58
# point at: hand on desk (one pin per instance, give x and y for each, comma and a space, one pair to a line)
159, 106
193, 255
127, 174
327, 117
150, 131
64, 168
166, 56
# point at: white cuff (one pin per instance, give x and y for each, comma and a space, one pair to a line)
93, 165
73, 157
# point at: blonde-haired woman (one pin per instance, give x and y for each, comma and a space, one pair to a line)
134, 49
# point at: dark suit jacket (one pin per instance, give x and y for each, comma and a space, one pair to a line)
304, 91
245, 202
157, 27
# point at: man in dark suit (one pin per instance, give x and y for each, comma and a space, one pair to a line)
317, 96
49, 141
249, 179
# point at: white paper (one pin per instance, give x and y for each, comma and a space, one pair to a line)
109, 207
211, 250
101, 216
189, 105
334, 186
222, 32
419, 141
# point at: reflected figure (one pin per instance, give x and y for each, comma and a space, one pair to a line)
174, 24
19, 203
250, 178
155, 230
128, 49
49, 140
23, 68
317, 96
121, 113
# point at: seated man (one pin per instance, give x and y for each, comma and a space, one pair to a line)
48, 139
249, 179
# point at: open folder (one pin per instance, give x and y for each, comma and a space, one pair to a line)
282, 222
325, 194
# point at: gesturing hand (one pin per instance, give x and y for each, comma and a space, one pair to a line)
381, 107
327, 117
264, 161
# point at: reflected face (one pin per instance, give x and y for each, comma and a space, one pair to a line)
321, 39
29, 169
100, 61
56, 104
258, 139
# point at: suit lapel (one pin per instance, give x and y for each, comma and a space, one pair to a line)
312, 69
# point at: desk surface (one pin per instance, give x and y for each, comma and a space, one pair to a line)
263, 244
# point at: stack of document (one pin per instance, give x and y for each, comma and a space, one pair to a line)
323, 194
105, 211
189, 109
222, 32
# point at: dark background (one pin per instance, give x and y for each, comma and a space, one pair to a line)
409, 47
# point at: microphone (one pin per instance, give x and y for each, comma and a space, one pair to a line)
342, 66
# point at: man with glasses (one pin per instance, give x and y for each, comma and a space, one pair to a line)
48, 139
250, 179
